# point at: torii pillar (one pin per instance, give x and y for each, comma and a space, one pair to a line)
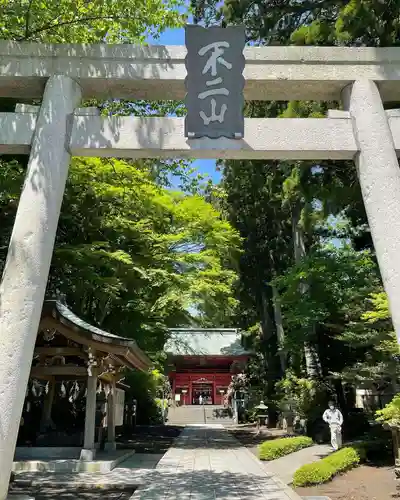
29, 256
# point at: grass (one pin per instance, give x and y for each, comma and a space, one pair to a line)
325, 469
270, 450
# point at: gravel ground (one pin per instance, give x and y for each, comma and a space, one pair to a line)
363, 483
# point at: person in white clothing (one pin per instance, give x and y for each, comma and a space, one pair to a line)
334, 418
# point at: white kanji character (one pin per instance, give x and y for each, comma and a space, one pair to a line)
214, 117
218, 49
207, 93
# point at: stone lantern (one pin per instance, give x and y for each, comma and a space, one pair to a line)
262, 415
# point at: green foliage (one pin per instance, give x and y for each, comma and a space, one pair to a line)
373, 333
276, 448
326, 22
324, 470
136, 257
297, 392
380, 312
390, 414
147, 388
161, 403
131, 256
143, 387
63, 21
341, 279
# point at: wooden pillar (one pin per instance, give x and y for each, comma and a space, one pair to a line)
214, 391
111, 444
190, 392
48, 405
88, 452
173, 387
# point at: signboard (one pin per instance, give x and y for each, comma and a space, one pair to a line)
202, 381
214, 82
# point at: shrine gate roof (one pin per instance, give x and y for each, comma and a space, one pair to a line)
205, 342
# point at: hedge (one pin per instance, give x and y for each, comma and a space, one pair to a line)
323, 470
270, 450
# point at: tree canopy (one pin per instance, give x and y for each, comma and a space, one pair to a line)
138, 257
67, 21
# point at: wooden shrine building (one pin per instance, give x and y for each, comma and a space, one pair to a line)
77, 373
202, 362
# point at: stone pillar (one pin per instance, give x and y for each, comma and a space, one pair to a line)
88, 452
379, 176
110, 444
48, 405
29, 255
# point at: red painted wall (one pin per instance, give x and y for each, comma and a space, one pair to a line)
182, 379
187, 380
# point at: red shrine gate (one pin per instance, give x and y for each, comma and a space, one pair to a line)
202, 362
210, 385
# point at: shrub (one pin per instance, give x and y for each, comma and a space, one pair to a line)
390, 414
324, 470
270, 450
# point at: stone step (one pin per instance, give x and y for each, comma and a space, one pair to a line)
199, 415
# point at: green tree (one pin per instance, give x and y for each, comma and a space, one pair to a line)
305, 22
373, 333
66, 21
136, 258
390, 414
341, 281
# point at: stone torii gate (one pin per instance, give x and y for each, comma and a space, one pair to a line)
61, 75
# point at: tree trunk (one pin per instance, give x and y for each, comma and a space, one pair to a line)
313, 365
340, 396
269, 351
279, 326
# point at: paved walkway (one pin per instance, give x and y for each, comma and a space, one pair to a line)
285, 467
207, 463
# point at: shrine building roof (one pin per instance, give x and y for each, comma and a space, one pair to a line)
58, 316
205, 342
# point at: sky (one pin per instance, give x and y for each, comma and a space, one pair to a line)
177, 37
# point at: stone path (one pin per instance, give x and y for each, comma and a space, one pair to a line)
207, 463
285, 467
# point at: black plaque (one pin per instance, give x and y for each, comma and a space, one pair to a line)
214, 82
